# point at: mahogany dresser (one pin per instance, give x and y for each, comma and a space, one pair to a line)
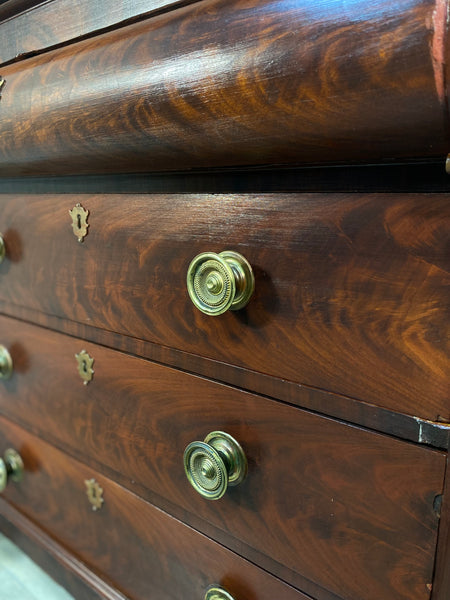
224, 297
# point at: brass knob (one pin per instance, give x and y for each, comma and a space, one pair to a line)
218, 282
2, 248
214, 464
215, 592
11, 467
6, 364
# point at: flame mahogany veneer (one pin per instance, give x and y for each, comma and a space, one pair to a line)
334, 377
351, 290
305, 502
225, 83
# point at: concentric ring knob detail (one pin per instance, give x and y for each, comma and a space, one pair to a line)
214, 464
11, 468
215, 592
2, 249
6, 364
220, 282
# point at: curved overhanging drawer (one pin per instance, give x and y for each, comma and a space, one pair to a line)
228, 83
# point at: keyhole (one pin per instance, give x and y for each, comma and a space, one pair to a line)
79, 221
85, 366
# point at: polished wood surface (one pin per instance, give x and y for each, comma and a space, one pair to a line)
222, 83
178, 124
141, 550
319, 493
432, 433
351, 290
29, 27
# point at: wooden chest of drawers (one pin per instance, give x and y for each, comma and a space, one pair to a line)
295, 448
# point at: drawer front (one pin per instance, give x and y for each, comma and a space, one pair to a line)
319, 495
230, 83
141, 550
351, 291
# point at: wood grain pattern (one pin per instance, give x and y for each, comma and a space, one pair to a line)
139, 549
222, 83
351, 290
320, 495
400, 425
26, 29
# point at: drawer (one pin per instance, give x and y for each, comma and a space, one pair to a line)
232, 83
319, 495
139, 549
351, 291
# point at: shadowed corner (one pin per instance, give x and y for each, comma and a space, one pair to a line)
22, 579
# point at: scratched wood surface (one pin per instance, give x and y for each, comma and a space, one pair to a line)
319, 496
139, 549
28, 27
230, 83
351, 289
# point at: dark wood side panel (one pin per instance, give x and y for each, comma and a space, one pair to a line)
320, 495
141, 550
26, 29
56, 560
228, 83
351, 290
441, 584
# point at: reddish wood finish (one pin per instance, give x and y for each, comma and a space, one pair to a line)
435, 434
228, 83
320, 495
351, 290
140, 549
26, 29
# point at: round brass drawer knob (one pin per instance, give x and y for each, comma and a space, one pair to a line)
2, 248
11, 468
215, 592
6, 364
214, 464
218, 282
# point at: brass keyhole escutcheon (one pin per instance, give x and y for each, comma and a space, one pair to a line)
216, 592
11, 468
6, 364
94, 493
84, 366
220, 282
79, 221
214, 464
